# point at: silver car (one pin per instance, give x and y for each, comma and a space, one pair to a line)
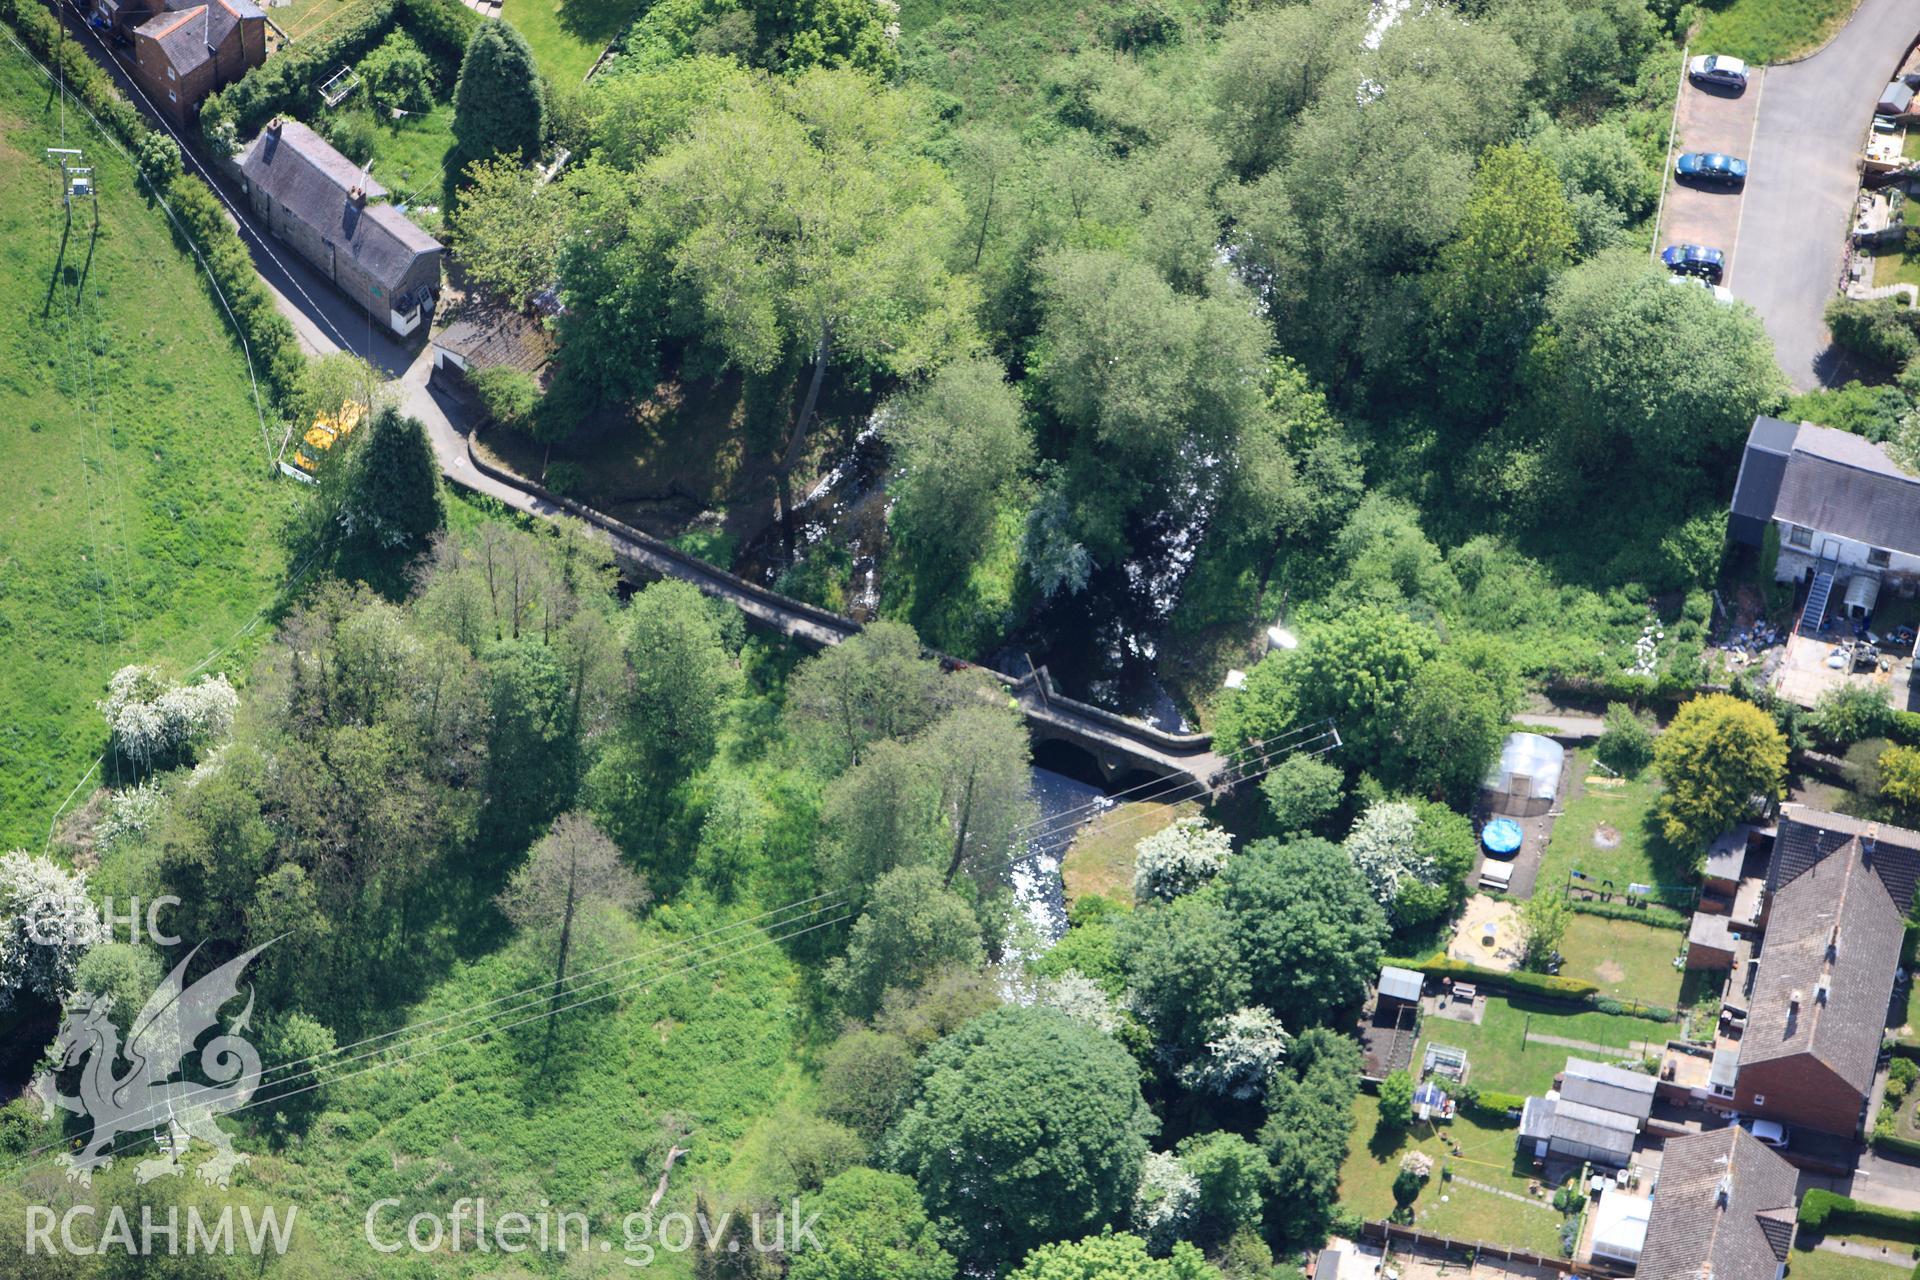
1718, 69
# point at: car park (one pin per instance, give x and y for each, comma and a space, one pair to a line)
1719, 70
1694, 260
1711, 166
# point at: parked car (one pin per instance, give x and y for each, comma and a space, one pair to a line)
1771, 1132
1718, 69
1694, 260
1704, 166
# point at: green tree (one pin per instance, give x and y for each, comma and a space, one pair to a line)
1626, 743
1302, 792
1489, 291
682, 672
1029, 1127
866, 1078
297, 1084
1309, 1121
912, 928
1354, 670
1396, 1102
1183, 962
1716, 757
508, 228
1543, 923
1307, 927
398, 75
508, 396
1900, 778
1113, 1257
1452, 723
959, 447
1846, 714
1270, 66
980, 757
532, 750
1232, 1174
871, 1225
394, 497
499, 102
124, 973
874, 685
842, 258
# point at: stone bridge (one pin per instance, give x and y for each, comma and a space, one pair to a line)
1119, 745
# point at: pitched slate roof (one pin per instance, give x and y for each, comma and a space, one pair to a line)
1834, 923
1611, 1088
304, 173
1805, 836
1832, 481
188, 34
1693, 1235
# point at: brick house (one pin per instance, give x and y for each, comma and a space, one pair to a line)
318, 202
1724, 1207
1818, 996
181, 51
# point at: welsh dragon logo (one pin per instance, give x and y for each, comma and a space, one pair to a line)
154, 1093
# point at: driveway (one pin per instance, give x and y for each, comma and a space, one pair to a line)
1813, 120
1710, 119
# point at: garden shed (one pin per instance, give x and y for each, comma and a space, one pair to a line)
1525, 779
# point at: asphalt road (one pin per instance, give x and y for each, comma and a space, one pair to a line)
1812, 123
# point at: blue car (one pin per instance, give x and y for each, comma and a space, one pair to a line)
1702, 166
1694, 260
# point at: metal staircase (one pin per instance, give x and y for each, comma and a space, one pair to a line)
1814, 612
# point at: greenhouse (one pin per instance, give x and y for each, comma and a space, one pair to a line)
1526, 777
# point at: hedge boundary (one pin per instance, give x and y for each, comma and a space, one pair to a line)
1823, 1210
1553, 987
1653, 914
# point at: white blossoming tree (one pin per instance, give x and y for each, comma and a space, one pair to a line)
1243, 1051
47, 922
152, 719
1164, 1204
1385, 845
1179, 859
1078, 996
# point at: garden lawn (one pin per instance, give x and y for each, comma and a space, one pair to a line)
1625, 960
1825, 1264
310, 19
1768, 30
568, 35
1488, 1156
1894, 266
1620, 813
140, 522
1505, 1053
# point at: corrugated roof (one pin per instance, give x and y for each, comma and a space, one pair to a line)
1401, 984
1583, 1125
1691, 1233
304, 173
1834, 923
1610, 1088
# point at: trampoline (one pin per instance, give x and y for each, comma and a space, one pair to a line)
1502, 835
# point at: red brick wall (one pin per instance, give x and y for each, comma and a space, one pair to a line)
244, 48
1799, 1091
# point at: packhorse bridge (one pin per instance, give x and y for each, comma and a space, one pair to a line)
1118, 744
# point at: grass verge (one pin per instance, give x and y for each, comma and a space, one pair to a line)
1770, 30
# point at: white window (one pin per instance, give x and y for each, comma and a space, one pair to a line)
1799, 537
1879, 557
1759, 1099
170, 76
170, 97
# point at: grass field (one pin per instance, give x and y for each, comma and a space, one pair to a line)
1608, 832
1487, 1156
1769, 30
1100, 859
990, 53
1505, 1052
703, 1060
139, 522
1626, 960
310, 19
568, 35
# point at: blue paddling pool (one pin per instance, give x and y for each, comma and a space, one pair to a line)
1502, 835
